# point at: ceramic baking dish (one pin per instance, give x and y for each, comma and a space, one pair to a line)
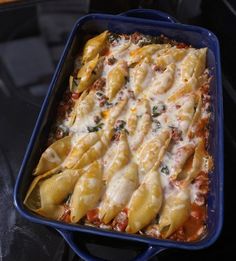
147, 22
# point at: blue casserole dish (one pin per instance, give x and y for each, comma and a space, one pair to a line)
147, 22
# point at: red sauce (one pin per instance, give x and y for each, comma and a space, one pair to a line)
194, 227
181, 45
105, 52
200, 128
121, 221
66, 215
92, 215
75, 95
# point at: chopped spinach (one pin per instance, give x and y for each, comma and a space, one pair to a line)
108, 104
155, 111
165, 170
127, 132
100, 95
120, 125
158, 109
95, 128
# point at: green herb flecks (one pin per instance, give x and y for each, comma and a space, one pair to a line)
156, 125
165, 170
120, 125
95, 128
158, 109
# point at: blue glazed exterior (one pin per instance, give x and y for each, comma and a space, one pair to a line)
127, 23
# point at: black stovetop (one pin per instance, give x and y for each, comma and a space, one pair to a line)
31, 41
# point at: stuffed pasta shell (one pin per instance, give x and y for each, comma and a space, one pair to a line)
87, 192
116, 79
121, 158
153, 150
164, 80
141, 125
118, 192
175, 212
54, 155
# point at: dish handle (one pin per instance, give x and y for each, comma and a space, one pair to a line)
148, 253
150, 14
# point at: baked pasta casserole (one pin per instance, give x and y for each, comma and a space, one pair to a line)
128, 148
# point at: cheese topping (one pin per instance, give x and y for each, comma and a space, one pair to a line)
139, 115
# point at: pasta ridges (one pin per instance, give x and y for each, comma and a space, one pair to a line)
152, 152
118, 193
81, 147
116, 79
145, 203
174, 213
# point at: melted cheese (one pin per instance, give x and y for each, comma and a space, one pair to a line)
159, 79
169, 117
